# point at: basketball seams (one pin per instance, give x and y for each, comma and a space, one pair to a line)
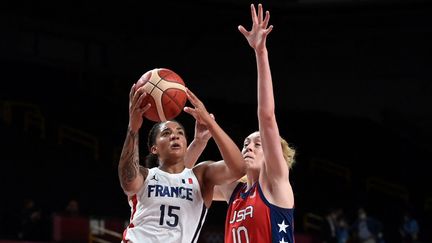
172, 98
167, 93
164, 85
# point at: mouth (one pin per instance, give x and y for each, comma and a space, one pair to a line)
175, 146
247, 157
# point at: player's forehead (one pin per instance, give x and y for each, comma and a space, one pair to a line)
170, 125
253, 137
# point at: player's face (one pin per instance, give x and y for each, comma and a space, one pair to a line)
170, 142
252, 151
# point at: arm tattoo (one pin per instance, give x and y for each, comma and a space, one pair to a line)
129, 160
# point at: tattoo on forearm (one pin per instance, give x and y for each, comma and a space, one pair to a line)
129, 159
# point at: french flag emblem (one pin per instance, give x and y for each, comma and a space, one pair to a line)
187, 181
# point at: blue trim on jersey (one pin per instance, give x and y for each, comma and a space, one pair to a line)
281, 219
234, 193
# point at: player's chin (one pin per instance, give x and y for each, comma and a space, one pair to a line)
249, 163
177, 151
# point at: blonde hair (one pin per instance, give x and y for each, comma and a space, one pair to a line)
288, 154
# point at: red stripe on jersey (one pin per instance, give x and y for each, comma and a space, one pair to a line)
125, 232
131, 225
134, 204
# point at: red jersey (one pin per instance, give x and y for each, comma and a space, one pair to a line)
252, 219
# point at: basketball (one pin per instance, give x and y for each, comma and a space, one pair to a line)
166, 93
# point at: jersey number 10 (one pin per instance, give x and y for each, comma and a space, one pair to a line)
238, 232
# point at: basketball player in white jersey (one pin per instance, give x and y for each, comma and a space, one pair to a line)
169, 203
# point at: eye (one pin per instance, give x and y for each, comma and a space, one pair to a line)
257, 145
165, 133
245, 145
181, 133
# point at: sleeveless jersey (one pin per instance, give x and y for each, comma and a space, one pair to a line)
252, 219
168, 208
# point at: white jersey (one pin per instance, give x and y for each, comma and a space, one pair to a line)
168, 208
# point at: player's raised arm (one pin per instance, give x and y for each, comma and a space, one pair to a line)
130, 175
276, 170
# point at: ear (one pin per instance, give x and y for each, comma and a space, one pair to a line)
154, 150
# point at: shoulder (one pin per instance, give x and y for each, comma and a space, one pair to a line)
202, 166
233, 189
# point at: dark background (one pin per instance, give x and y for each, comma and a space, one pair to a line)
352, 86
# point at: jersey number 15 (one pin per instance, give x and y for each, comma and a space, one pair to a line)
173, 217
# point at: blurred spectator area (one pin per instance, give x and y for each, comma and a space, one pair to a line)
319, 183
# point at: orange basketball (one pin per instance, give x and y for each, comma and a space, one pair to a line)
166, 92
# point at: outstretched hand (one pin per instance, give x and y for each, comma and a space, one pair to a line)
136, 108
199, 112
257, 36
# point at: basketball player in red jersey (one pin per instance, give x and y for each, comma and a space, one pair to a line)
261, 210
261, 207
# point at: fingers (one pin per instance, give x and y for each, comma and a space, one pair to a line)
192, 98
268, 30
141, 97
258, 19
144, 109
243, 30
253, 14
260, 13
138, 94
190, 95
266, 20
131, 92
138, 98
199, 111
135, 96
191, 112
141, 111
188, 110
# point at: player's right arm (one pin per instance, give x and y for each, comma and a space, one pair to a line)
130, 173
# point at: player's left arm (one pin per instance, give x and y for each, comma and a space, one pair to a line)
275, 174
196, 147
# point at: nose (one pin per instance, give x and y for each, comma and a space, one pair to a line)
174, 136
248, 148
